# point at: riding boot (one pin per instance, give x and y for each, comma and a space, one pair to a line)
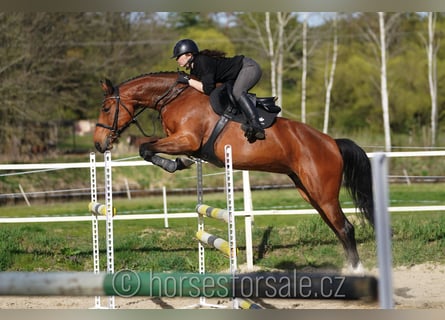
255, 131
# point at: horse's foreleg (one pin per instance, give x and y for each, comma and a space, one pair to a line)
166, 164
171, 165
166, 145
141, 140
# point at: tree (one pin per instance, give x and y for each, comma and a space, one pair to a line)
383, 82
304, 69
50, 70
184, 20
380, 48
432, 47
276, 35
51, 64
329, 80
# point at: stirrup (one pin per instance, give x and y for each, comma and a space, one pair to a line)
259, 134
252, 134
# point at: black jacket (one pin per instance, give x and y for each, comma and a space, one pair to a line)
211, 70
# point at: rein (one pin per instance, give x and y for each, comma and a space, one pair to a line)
116, 132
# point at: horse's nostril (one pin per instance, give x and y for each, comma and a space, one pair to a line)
98, 147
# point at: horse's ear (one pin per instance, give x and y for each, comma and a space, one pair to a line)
107, 86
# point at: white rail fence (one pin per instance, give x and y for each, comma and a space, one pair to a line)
248, 211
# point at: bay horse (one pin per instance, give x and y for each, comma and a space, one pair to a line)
316, 163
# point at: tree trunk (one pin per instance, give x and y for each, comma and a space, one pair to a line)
271, 51
330, 80
383, 83
280, 54
304, 70
432, 74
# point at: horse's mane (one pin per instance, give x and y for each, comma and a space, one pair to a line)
167, 73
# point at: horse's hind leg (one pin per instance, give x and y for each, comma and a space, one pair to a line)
328, 206
337, 221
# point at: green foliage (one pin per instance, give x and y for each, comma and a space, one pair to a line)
415, 99
208, 38
8, 246
185, 20
355, 100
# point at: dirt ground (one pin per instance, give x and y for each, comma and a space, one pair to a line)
415, 287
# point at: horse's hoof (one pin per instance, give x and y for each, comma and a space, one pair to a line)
184, 163
144, 152
146, 155
166, 164
358, 270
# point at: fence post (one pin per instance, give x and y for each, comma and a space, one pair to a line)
383, 229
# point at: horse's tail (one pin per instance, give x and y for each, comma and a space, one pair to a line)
357, 176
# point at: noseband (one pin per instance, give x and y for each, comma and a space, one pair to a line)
115, 131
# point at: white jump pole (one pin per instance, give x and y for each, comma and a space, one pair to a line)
164, 197
228, 215
107, 210
109, 220
383, 229
94, 222
248, 219
231, 223
201, 249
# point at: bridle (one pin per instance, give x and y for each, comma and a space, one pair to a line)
115, 132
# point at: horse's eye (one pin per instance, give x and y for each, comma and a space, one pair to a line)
106, 109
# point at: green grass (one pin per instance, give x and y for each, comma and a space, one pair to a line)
279, 242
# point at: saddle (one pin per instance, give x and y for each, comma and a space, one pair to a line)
224, 104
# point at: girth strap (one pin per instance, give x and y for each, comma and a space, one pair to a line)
207, 152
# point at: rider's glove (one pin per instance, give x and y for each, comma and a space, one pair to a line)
183, 78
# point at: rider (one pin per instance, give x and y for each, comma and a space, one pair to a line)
210, 67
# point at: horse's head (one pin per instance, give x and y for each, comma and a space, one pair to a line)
152, 91
115, 116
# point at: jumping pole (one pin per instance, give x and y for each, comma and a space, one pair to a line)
201, 249
285, 285
109, 211
227, 215
94, 222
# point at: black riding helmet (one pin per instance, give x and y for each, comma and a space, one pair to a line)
185, 46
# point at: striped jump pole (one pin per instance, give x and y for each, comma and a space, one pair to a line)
211, 212
247, 305
214, 241
97, 208
126, 283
